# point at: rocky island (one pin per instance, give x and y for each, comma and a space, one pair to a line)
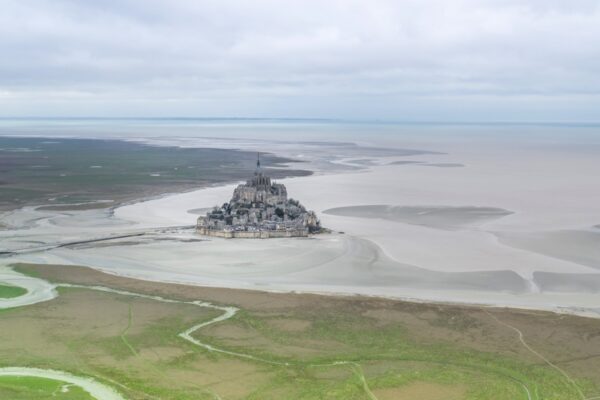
259, 209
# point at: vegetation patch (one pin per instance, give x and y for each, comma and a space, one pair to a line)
28, 388
72, 174
298, 346
8, 292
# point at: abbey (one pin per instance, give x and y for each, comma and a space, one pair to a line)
259, 209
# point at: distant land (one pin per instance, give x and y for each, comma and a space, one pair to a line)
303, 119
49, 171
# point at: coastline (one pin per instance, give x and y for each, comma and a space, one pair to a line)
82, 272
583, 312
471, 251
303, 185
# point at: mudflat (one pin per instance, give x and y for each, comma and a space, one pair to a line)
441, 217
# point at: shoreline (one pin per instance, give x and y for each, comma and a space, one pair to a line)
558, 310
463, 297
472, 248
330, 295
552, 298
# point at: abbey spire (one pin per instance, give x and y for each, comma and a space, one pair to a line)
258, 171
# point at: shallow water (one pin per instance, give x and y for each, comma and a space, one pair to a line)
445, 247
38, 290
93, 387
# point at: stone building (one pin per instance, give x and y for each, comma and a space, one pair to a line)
259, 209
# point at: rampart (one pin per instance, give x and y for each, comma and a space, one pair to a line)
262, 234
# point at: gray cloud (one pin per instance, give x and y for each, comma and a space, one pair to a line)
413, 59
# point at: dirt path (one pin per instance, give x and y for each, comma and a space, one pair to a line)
124, 334
541, 357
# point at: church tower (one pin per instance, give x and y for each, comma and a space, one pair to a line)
260, 181
258, 170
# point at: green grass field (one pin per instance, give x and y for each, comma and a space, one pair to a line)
26, 388
7, 292
389, 355
308, 347
69, 171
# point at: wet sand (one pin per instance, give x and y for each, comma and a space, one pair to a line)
568, 283
443, 165
577, 246
444, 237
441, 217
336, 263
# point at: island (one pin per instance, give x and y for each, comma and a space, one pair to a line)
259, 209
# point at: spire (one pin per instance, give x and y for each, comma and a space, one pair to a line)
258, 170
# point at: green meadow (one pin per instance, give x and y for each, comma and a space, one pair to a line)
293, 346
7, 291
28, 388
70, 171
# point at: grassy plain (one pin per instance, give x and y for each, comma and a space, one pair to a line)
7, 291
311, 347
27, 388
72, 171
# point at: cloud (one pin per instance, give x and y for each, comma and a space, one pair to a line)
300, 58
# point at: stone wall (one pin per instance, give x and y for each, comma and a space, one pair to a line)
252, 234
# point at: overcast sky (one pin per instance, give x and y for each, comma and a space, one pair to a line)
458, 60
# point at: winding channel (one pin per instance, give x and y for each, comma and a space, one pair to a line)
39, 290
96, 389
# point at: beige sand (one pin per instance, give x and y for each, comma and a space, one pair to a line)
546, 193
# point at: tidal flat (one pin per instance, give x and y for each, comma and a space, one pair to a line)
304, 346
79, 174
488, 235
441, 217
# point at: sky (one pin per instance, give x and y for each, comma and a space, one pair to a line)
403, 60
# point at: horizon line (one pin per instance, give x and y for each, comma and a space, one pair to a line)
300, 119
